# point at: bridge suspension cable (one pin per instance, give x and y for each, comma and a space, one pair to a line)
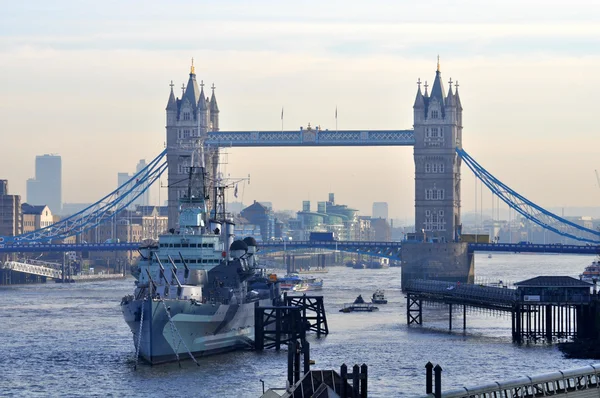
99, 212
527, 208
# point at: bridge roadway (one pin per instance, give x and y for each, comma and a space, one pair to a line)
581, 382
389, 250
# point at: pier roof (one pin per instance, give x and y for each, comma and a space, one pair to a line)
553, 281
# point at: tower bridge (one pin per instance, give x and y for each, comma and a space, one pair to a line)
436, 138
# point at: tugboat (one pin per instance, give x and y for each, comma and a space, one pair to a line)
359, 305
379, 297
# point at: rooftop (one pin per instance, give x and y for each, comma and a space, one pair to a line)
553, 281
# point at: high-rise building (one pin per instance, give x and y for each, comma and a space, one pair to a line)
143, 199
438, 132
46, 187
189, 118
380, 210
122, 178
10, 212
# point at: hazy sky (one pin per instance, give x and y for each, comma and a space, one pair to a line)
89, 81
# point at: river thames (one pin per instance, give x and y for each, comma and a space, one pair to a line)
71, 341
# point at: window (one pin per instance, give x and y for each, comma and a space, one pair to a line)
427, 168
186, 116
435, 114
441, 167
186, 133
434, 131
441, 132
434, 221
435, 167
441, 213
434, 194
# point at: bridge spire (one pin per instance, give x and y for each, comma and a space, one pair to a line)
450, 98
202, 98
457, 97
437, 90
419, 101
171, 103
214, 108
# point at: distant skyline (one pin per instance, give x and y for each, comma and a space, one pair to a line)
90, 81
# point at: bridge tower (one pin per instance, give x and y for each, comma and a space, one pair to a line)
438, 131
189, 119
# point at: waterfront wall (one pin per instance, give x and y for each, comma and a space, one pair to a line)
450, 262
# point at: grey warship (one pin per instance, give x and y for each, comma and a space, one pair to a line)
194, 293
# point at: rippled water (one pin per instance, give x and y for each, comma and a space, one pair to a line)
70, 340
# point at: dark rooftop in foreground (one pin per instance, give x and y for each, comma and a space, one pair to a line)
553, 281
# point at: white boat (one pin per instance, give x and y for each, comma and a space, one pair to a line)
591, 272
379, 297
313, 283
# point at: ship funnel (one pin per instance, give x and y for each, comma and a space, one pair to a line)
215, 227
229, 226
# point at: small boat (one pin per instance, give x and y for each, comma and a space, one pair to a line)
313, 283
359, 305
314, 271
490, 255
591, 272
379, 297
359, 266
300, 287
289, 282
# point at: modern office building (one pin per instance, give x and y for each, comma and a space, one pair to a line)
380, 210
46, 187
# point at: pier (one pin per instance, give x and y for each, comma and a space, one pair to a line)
288, 321
543, 308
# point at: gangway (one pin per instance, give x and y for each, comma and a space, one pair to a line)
34, 267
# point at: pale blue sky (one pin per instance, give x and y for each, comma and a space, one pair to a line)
89, 81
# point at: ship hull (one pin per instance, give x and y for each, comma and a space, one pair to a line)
199, 329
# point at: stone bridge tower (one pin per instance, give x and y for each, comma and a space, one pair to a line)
438, 131
189, 119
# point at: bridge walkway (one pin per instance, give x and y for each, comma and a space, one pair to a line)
34, 267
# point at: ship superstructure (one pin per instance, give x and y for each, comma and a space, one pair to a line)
193, 293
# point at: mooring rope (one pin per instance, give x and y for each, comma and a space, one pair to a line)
137, 349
